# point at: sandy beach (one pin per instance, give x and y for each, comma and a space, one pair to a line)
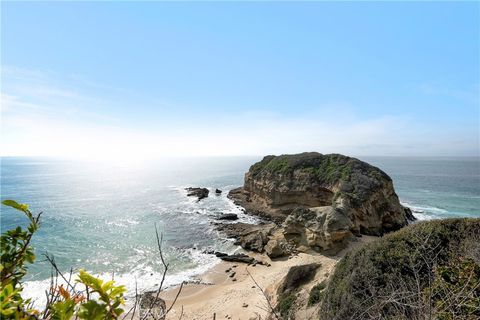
222, 297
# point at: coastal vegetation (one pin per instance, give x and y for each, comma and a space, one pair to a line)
426, 270
329, 168
316, 293
429, 270
99, 299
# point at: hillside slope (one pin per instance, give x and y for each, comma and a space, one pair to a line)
429, 270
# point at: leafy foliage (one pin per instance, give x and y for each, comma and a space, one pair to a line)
64, 304
110, 295
16, 248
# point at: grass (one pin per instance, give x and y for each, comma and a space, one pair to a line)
316, 293
286, 303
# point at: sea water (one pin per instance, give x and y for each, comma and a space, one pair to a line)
101, 216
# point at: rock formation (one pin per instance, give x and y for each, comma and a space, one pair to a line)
321, 201
228, 216
296, 276
248, 236
237, 257
200, 193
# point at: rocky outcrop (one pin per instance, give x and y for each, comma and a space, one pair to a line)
200, 193
248, 236
237, 257
296, 276
276, 248
409, 214
322, 201
321, 228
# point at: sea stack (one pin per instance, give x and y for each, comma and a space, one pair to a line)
321, 201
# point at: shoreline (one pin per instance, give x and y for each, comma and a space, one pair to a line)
241, 299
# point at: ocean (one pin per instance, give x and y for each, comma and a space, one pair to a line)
101, 216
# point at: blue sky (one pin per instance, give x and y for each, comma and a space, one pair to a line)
153, 79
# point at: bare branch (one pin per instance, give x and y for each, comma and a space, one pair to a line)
272, 309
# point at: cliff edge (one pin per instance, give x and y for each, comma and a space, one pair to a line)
322, 201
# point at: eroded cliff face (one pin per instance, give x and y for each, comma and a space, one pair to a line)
321, 200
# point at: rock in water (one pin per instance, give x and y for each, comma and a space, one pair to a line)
409, 214
200, 193
218, 191
322, 200
228, 216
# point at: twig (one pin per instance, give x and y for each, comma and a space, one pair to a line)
134, 305
181, 314
175, 300
54, 265
165, 266
272, 309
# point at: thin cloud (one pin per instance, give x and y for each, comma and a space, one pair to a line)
43, 119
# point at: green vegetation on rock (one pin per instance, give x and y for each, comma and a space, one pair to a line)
324, 167
286, 303
316, 293
329, 168
289, 288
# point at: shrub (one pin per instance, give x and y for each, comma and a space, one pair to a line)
64, 303
316, 293
285, 304
418, 272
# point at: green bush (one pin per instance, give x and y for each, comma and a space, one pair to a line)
63, 303
316, 293
455, 281
404, 275
285, 304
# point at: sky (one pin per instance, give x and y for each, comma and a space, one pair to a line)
154, 79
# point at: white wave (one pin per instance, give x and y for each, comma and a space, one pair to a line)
143, 278
425, 212
122, 222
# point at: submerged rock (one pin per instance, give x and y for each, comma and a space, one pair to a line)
322, 201
200, 193
228, 216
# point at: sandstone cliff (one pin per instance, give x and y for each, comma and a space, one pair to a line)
322, 201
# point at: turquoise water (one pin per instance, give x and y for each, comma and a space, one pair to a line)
435, 187
101, 216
